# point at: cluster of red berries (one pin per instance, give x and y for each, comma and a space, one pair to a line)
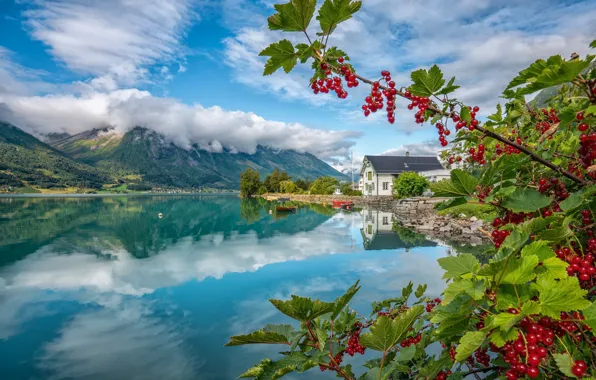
462, 123
587, 152
509, 150
430, 305
443, 375
354, 345
339, 358
374, 102
554, 186
581, 266
582, 126
335, 83
418, 101
452, 159
411, 341
442, 133
477, 155
550, 117
482, 357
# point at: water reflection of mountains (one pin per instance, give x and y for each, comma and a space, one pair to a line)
28, 224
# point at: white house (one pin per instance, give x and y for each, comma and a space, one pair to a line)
378, 172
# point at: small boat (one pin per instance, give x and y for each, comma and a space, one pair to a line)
342, 204
286, 208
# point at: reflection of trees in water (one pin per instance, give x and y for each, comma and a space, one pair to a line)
407, 235
98, 225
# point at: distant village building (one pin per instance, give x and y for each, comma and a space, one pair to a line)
378, 172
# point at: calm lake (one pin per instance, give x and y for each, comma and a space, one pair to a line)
102, 288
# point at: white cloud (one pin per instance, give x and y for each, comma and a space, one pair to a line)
430, 148
115, 38
485, 43
180, 123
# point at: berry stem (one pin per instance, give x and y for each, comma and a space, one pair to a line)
486, 132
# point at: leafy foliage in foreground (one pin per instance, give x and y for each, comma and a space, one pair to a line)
409, 184
532, 304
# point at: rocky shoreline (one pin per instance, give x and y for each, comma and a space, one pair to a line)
414, 213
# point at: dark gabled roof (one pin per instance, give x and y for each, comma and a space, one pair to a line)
398, 164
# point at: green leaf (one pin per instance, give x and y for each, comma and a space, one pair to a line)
555, 234
464, 114
460, 184
386, 333
270, 370
434, 366
468, 344
343, 300
564, 362
420, 290
406, 354
556, 267
456, 266
450, 203
499, 338
506, 321
539, 249
576, 199
426, 82
556, 296
303, 309
334, 12
293, 16
526, 200
590, 110
281, 55
449, 88
270, 334
520, 271
593, 44
590, 315
407, 290
473, 288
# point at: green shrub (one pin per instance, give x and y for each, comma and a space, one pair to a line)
262, 190
324, 186
409, 184
287, 187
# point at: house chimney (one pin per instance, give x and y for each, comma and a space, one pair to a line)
407, 154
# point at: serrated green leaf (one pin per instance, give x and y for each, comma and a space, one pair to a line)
593, 44
460, 184
564, 362
590, 315
426, 82
468, 344
520, 271
343, 300
450, 203
506, 321
303, 309
407, 290
499, 338
449, 88
576, 199
386, 333
539, 249
590, 110
281, 54
456, 266
270, 370
473, 288
334, 12
554, 75
420, 290
294, 16
556, 296
556, 267
434, 366
526, 200
270, 334
555, 234
406, 354
464, 114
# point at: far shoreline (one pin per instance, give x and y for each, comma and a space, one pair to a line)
67, 195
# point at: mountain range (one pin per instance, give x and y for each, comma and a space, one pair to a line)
104, 157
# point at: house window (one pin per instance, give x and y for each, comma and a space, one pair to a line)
370, 176
370, 229
385, 185
372, 186
385, 220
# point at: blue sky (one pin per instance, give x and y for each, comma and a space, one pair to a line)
190, 69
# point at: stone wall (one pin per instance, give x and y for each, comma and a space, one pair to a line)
415, 213
382, 202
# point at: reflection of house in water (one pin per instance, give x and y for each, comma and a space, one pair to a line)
378, 234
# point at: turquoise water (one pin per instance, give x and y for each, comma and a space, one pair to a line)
102, 288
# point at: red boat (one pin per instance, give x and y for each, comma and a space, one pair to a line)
342, 204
